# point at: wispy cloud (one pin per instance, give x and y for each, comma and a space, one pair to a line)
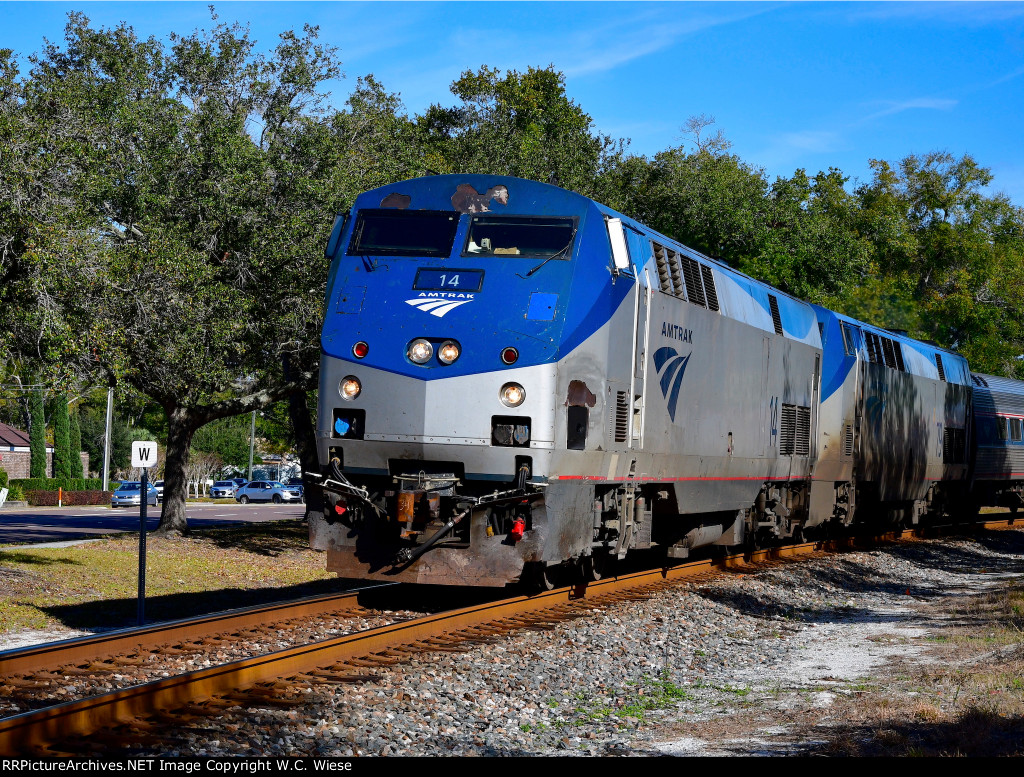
1008, 77
611, 45
788, 148
918, 103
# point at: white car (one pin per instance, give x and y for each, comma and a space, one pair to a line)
129, 494
267, 491
223, 488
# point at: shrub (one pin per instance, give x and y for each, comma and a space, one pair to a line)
50, 498
3, 478
52, 484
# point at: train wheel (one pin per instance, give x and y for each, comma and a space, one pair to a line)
542, 577
596, 566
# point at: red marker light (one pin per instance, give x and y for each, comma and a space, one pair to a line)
340, 509
360, 349
518, 527
509, 355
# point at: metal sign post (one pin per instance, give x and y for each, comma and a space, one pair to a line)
144, 456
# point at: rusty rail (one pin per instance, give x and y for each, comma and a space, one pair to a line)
123, 641
32, 731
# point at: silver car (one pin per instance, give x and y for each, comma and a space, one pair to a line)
223, 488
129, 494
267, 491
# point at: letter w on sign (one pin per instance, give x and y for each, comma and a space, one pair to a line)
143, 454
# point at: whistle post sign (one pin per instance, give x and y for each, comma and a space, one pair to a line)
143, 454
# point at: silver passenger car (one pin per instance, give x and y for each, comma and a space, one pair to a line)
223, 489
129, 494
267, 491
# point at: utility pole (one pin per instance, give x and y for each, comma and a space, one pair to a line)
106, 439
252, 443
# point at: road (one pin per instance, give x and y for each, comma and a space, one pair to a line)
58, 524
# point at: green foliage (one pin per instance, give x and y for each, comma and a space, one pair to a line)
37, 437
227, 438
76, 448
3, 478
52, 484
62, 462
520, 124
953, 252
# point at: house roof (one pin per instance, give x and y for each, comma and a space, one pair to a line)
15, 438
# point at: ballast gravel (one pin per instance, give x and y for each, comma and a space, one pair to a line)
624, 679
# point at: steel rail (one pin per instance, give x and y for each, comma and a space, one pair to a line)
30, 732
51, 655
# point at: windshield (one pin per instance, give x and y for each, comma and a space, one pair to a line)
224, 483
404, 233
128, 487
532, 236
275, 484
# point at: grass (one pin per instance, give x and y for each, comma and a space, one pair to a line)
95, 585
650, 694
968, 703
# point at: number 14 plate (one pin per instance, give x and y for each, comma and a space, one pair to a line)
445, 279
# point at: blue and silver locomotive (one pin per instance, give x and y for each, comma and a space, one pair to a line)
517, 380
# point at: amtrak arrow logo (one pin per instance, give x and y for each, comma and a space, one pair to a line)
434, 306
672, 378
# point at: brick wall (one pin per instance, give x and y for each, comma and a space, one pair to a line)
17, 463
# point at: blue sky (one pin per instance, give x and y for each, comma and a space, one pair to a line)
805, 84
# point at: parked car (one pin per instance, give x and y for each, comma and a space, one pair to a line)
159, 486
222, 488
267, 491
239, 482
129, 494
296, 483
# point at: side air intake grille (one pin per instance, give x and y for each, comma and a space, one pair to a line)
795, 431
953, 444
694, 286
621, 416
709, 287
803, 431
787, 430
848, 440
884, 350
664, 273
942, 372
776, 316
685, 278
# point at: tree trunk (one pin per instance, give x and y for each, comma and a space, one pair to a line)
182, 424
305, 442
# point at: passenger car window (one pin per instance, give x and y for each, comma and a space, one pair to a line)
533, 236
1015, 430
404, 233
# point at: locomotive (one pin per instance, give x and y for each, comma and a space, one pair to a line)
517, 382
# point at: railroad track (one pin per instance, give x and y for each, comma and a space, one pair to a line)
130, 717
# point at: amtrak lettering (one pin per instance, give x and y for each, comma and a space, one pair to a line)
676, 332
438, 303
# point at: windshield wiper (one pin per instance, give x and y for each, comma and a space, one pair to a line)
553, 256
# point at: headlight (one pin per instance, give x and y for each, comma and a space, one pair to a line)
420, 351
350, 387
448, 352
512, 395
